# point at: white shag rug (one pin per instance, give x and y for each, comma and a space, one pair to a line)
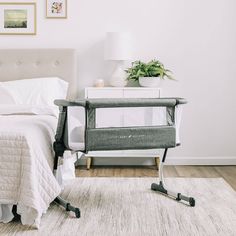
127, 206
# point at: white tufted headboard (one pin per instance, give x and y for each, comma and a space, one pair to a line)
18, 64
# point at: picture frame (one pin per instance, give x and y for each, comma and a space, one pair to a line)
18, 18
56, 9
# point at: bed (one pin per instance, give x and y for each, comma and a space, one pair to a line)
28, 125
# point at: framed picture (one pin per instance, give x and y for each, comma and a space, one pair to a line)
56, 9
17, 18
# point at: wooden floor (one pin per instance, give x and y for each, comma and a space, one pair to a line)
226, 172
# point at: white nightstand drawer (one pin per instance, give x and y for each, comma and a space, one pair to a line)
142, 93
104, 93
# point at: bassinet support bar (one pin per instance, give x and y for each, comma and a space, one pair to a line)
161, 187
122, 138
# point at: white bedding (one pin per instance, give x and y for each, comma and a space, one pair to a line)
26, 162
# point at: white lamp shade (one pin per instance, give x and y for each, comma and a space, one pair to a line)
118, 46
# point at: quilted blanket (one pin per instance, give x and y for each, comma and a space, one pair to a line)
26, 161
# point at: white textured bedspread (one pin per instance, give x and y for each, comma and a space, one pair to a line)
26, 161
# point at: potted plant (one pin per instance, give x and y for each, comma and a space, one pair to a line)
148, 74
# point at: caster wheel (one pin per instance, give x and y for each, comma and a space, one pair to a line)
191, 202
77, 212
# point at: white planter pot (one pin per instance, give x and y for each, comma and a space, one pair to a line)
150, 81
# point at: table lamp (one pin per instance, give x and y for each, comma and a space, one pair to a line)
118, 49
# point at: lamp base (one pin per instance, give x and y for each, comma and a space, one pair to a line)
118, 78
117, 82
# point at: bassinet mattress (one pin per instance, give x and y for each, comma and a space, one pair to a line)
26, 162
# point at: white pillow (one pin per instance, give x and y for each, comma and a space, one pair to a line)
36, 91
12, 109
5, 96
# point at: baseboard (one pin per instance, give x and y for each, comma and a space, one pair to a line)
123, 161
201, 160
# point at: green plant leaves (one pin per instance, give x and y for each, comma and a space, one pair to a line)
153, 68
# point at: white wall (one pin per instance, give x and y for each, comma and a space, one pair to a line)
195, 39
